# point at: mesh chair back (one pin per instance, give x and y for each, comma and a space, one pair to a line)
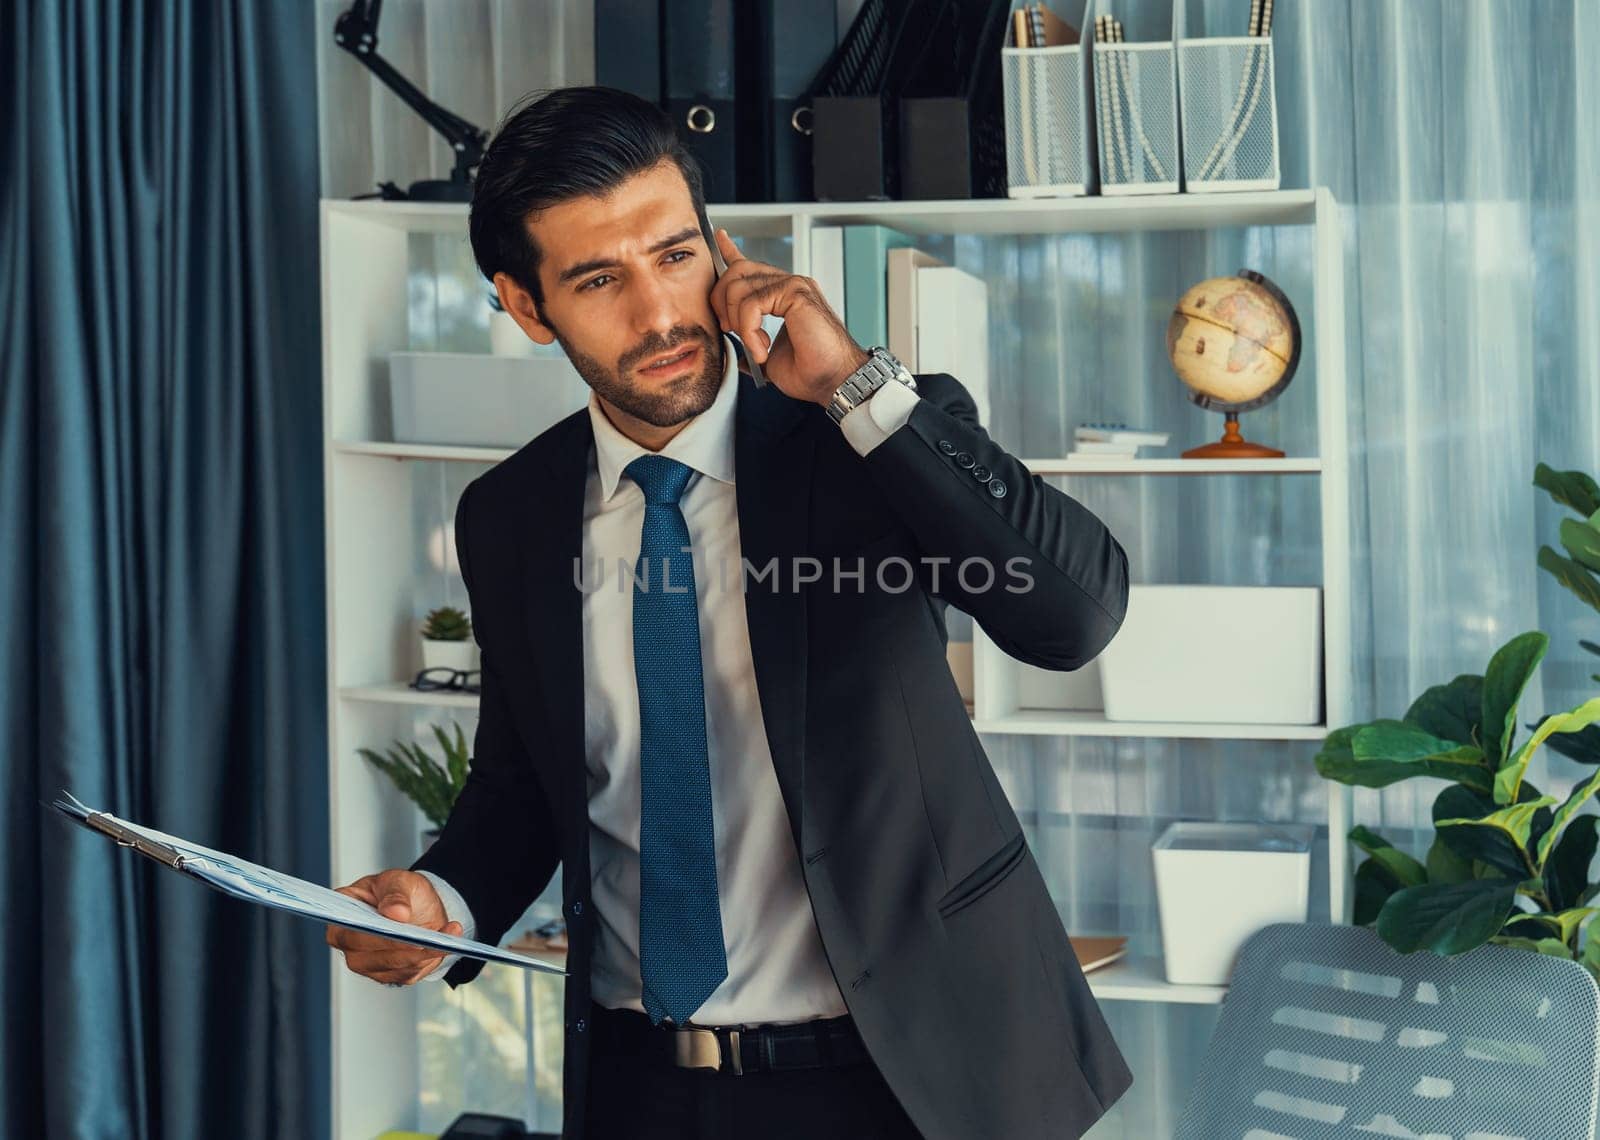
1327, 1032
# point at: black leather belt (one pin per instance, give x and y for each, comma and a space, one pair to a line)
733, 1049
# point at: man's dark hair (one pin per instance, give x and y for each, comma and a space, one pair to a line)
565, 143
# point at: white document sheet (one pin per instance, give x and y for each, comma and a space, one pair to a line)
265, 887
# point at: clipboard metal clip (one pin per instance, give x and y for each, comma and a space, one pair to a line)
125, 838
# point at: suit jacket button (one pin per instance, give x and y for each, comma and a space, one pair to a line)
981, 473
577, 907
964, 459
947, 447
997, 489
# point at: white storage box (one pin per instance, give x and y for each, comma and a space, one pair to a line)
1219, 883
1217, 654
476, 400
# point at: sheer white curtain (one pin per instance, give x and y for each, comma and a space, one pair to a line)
1464, 137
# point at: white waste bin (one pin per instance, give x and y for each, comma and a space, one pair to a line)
1219, 883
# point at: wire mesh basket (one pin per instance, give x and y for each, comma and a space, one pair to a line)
1135, 108
1049, 144
1228, 100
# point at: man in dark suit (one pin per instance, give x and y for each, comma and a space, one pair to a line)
715, 693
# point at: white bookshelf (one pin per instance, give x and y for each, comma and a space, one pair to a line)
374, 534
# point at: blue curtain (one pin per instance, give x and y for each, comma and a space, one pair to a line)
161, 584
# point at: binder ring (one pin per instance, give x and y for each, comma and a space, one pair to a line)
794, 120
701, 119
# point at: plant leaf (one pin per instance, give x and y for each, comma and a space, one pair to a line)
1554, 947
1591, 947
1568, 921
1508, 781
1445, 865
1569, 488
1590, 646
1374, 884
1582, 542
1582, 747
1452, 711
1566, 867
1501, 838
1579, 796
1385, 752
1447, 918
1573, 575
460, 760
1406, 870
1397, 740
1503, 683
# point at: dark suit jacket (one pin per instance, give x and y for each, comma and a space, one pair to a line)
935, 920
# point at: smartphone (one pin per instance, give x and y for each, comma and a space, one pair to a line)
722, 267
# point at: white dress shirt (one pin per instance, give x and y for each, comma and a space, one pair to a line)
776, 968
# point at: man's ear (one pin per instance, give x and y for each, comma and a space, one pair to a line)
518, 302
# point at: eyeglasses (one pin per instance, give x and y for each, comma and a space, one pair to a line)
440, 678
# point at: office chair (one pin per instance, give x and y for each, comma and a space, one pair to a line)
1326, 1032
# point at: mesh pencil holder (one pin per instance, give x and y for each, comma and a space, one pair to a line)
1049, 140
1135, 109
1229, 106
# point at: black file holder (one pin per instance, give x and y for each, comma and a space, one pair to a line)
855, 102
952, 113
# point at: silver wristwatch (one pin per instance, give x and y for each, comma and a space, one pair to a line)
880, 368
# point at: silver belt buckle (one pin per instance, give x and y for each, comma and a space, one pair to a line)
695, 1048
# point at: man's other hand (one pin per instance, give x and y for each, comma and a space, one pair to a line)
404, 896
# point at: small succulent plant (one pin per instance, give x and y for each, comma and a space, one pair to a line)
447, 624
430, 785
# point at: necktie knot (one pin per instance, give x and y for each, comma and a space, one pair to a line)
661, 479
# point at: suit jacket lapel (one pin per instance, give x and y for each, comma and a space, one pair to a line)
551, 545
772, 482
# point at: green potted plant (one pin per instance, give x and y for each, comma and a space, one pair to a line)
1507, 864
447, 640
431, 784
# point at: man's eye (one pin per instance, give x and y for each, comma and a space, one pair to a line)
679, 254
596, 281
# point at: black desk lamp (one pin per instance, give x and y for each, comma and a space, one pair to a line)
356, 31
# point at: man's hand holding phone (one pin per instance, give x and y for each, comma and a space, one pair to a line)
404, 896
813, 352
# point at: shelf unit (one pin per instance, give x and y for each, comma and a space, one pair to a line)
374, 533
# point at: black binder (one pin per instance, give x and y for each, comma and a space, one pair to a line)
627, 46
698, 50
952, 112
797, 39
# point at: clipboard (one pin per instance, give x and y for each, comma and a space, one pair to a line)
263, 886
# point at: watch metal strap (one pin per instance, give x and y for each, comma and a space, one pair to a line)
878, 370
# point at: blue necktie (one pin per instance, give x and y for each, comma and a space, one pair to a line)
681, 954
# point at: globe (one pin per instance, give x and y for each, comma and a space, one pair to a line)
1234, 342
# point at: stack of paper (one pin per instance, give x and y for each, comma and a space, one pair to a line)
1098, 442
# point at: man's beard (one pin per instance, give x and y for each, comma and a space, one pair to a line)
664, 404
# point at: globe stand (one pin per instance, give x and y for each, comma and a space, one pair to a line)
1232, 445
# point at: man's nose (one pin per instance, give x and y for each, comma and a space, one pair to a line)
657, 310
